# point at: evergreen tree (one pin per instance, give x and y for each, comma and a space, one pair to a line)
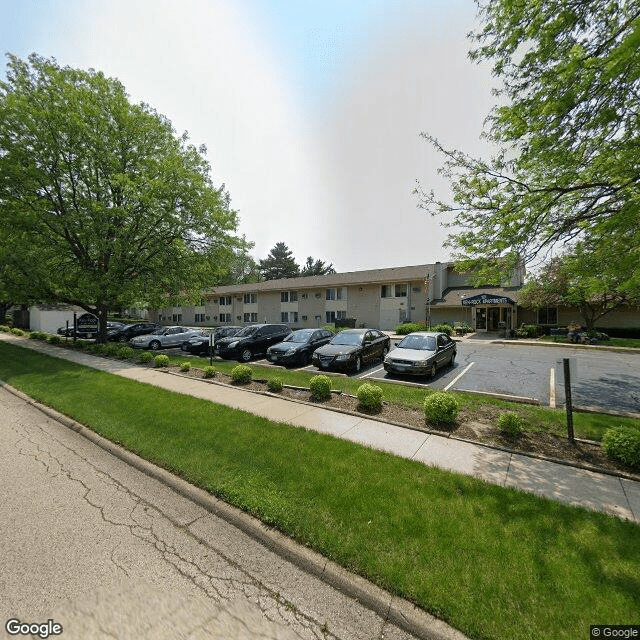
279, 263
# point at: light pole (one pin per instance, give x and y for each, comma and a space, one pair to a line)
427, 284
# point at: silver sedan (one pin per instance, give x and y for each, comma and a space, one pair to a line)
164, 338
421, 354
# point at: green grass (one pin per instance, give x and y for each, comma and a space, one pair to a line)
493, 562
590, 426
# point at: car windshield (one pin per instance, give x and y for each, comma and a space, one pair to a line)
247, 331
299, 336
353, 339
422, 343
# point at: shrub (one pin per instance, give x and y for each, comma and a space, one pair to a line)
511, 423
145, 356
54, 339
370, 396
4, 328
17, 332
441, 408
185, 366
38, 335
623, 443
275, 385
443, 328
111, 349
241, 374
161, 361
126, 353
209, 372
466, 327
320, 387
409, 327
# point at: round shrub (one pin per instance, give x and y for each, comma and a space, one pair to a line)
145, 356
511, 423
241, 374
111, 349
275, 385
370, 396
38, 335
623, 444
54, 339
185, 366
126, 353
4, 328
320, 387
17, 332
209, 372
161, 361
443, 328
409, 327
441, 408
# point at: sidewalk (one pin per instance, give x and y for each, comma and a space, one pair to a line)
589, 489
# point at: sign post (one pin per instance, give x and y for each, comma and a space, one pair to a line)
567, 394
211, 349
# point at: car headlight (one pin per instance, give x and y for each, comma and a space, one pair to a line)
233, 345
343, 357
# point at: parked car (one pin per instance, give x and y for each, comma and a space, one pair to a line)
199, 345
125, 332
251, 340
298, 347
352, 348
86, 327
163, 338
421, 354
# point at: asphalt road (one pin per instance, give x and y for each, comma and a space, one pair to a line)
108, 552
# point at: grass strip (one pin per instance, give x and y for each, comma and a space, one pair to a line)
493, 562
590, 426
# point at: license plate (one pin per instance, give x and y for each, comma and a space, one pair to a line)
274, 358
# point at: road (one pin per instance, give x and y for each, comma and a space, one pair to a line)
107, 551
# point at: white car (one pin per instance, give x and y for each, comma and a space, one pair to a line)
164, 338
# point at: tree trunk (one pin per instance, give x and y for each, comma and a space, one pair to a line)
101, 312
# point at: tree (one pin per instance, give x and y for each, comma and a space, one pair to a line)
567, 130
578, 279
243, 268
102, 204
279, 263
316, 268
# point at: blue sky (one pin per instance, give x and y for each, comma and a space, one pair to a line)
311, 111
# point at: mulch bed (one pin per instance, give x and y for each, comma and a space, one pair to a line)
478, 426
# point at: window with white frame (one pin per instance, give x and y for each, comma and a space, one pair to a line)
332, 316
289, 296
394, 291
251, 317
339, 293
225, 301
401, 291
250, 298
289, 316
225, 317
200, 317
386, 291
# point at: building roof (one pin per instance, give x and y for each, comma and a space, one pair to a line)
452, 297
372, 276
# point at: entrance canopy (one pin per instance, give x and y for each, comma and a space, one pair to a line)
484, 298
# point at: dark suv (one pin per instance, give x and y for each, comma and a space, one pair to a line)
128, 331
199, 345
251, 341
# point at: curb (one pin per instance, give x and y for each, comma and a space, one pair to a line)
389, 607
571, 345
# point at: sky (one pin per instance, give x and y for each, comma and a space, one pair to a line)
311, 110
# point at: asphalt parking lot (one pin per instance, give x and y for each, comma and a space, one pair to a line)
605, 379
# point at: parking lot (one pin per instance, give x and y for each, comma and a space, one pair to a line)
605, 379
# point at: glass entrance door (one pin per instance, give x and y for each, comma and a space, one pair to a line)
493, 317
481, 318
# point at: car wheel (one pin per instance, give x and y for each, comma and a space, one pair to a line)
154, 345
432, 370
246, 355
384, 353
358, 364
184, 346
453, 359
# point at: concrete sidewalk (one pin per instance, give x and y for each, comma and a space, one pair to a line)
599, 491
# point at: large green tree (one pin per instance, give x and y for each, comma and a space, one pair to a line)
566, 130
101, 203
280, 263
316, 268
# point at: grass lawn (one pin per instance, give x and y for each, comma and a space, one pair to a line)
493, 562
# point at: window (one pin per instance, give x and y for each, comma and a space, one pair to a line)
386, 291
401, 291
225, 301
339, 293
177, 317
251, 317
548, 315
250, 298
200, 317
331, 294
289, 296
225, 317
289, 316
332, 316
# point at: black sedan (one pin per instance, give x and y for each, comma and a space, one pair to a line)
125, 332
199, 345
298, 347
352, 348
421, 354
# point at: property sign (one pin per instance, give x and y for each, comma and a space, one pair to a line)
484, 298
88, 322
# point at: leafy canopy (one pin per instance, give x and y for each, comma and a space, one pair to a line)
101, 204
567, 129
280, 263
